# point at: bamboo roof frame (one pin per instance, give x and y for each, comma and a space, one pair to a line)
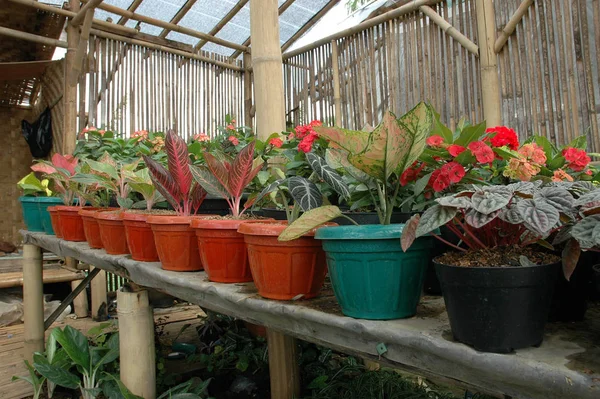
134, 6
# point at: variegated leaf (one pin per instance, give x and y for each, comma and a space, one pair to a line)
477, 219
218, 170
208, 181
164, 183
538, 216
241, 169
435, 217
462, 202
409, 232
327, 174
305, 193
511, 215
270, 188
310, 220
338, 159
558, 197
178, 161
587, 232
592, 196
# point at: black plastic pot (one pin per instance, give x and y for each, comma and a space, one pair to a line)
277, 214
498, 309
214, 206
596, 270
432, 283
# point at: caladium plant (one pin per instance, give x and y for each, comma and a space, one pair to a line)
229, 178
176, 184
139, 182
376, 158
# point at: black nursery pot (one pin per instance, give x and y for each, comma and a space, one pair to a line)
498, 309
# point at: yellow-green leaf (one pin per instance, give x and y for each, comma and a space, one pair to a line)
310, 220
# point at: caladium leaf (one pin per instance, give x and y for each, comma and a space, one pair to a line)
587, 232
68, 162
208, 181
103, 168
478, 219
558, 197
310, 220
538, 216
305, 193
487, 201
435, 217
415, 126
327, 174
178, 161
337, 158
409, 232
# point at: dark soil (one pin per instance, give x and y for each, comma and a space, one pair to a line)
245, 216
152, 212
497, 257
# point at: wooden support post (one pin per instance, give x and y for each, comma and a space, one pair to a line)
99, 297
83, 12
82, 47
33, 300
488, 62
511, 25
248, 90
80, 303
283, 364
267, 67
136, 342
70, 87
335, 67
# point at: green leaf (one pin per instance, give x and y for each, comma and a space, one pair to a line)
442, 130
75, 345
31, 182
327, 174
579, 142
106, 168
242, 363
263, 177
113, 351
125, 392
548, 147
556, 162
433, 218
319, 382
58, 375
470, 134
305, 193
125, 203
310, 220
420, 184
208, 181
504, 152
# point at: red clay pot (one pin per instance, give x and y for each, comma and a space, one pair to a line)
256, 330
55, 219
112, 232
140, 238
284, 270
222, 250
90, 225
71, 224
176, 242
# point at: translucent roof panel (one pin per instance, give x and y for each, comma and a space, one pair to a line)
299, 13
164, 10
104, 15
205, 14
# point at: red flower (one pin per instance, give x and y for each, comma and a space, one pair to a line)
454, 171
276, 142
307, 142
411, 174
577, 159
504, 136
589, 172
482, 152
315, 123
435, 141
233, 140
439, 181
455, 149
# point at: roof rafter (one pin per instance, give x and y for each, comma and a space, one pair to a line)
309, 24
132, 8
228, 17
177, 17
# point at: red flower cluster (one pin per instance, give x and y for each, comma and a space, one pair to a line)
504, 136
482, 152
276, 142
307, 135
577, 159
411, 174
435, 141
455, 149
440, 179
234, 140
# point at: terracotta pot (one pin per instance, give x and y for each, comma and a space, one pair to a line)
176, 242
284, 270
222, 250
256, 330
112, 232
71, 224
140, 238
90, 226
55, 220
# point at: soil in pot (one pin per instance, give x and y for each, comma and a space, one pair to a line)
284, 270
31, 213
222, 249
112, 232
43, 204
176, 242
493, 302
55, 221
140, 238
371, 276
71, 223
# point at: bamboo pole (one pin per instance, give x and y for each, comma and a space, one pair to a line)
267, 67
81, 14
33, 301
99, 297
511, 25
488, 63
70, 87
165, 49
248, 90
283, 363
32, 38
217, 28
450, 30
170, 26
82, 47
80, 303
136, 343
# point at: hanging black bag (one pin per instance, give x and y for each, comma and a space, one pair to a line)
39, 134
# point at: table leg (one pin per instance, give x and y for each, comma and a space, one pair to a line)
99, 298
283, 366
33, 300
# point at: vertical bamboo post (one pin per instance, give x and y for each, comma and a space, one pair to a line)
248, 90
335, 67
136, 343
267, 67
80, 303
99, 298
283, 365
70, 86
488, 62
33, 302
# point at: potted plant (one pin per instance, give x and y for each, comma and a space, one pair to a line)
371, 277
497, 290
36, 192
175, 240
222, 248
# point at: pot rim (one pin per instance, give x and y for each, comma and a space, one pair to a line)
109, 215
57, 200
170, 219
487, 268
69, 208
271, 228
223, 224
362, 232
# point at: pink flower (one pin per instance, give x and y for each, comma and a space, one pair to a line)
307, 142
140, 135
201, 137
482, 151
276, 142
455, 149
561, 175
231, 126
589, 172
316, 123
435, 141
234, 140
577, 159
411, 174
533, 152
521, 169
442, 178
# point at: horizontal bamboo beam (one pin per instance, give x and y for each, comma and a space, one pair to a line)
158, 47
170, 26
32, 38
511, 25
232, 13
450, 30
398, 12
99, 24
136, 3
78, 18
179, 16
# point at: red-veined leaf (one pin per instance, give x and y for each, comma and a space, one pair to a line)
241, 170
208, 181
179, 162
252, 174
164, 183
197, 196
218, 170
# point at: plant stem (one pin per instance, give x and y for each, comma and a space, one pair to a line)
350, 219
448, 243
469, 232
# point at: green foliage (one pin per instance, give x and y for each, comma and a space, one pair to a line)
32, 186
36, 380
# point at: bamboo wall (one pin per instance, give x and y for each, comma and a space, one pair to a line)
129, 88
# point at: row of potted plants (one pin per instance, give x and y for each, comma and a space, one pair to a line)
510, 205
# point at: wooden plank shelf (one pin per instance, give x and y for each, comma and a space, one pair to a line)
565, 366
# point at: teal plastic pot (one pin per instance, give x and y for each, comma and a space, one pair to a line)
43, 204
31, 213
372, 277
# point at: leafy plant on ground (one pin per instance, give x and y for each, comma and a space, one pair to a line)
36, 381
32, 186
176, 184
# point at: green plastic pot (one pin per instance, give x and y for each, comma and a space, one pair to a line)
31, 213
371, 276
43, 204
